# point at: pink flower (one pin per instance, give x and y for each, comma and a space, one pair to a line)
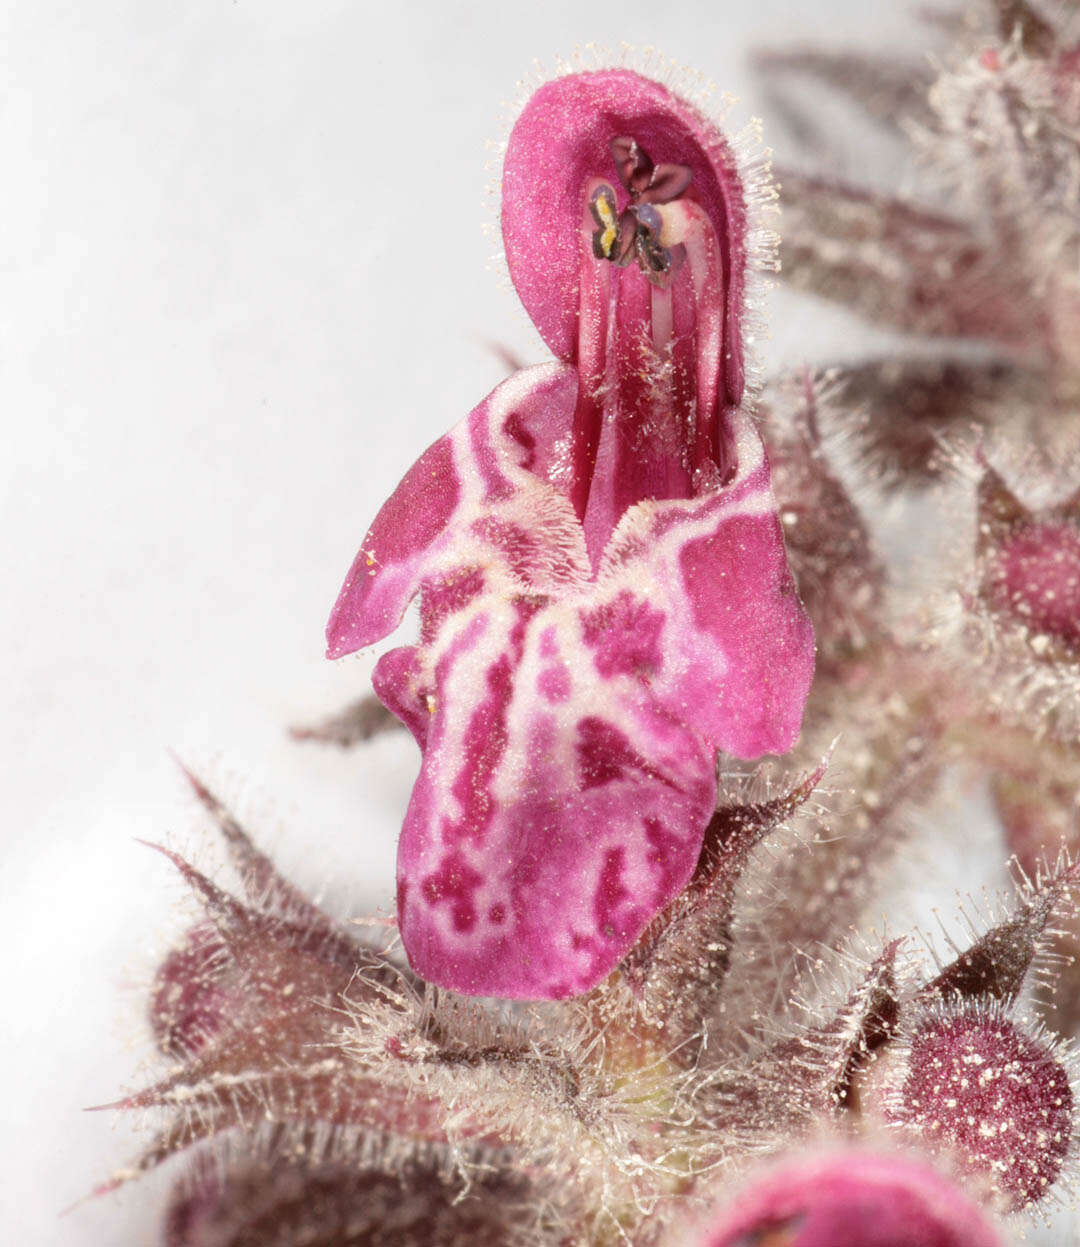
605, 600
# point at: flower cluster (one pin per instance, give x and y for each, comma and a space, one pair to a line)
688, 1044
982, 409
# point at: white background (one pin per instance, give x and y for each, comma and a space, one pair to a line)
244, 282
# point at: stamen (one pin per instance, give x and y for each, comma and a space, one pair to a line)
654, 260
634, 166
648, 183
593, 323
606, 215
635, 232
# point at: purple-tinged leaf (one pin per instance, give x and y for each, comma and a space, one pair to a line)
836, 1051
898, 265
289, 1191
1019, 20
358, 722
888, 88
897, 411
678, 966
263, 885
836, 567
254, 1006
189, 1004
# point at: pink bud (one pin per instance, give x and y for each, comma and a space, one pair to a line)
1038, 579
997, 1099
1031, 564
286, 1194
853, 1198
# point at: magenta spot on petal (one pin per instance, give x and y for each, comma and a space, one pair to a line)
553, 683
667, 848
625, 636
486, 460
445, 596
604, 754
611, 895
497, 913
486, 735
514, 428
485, 740
454, 883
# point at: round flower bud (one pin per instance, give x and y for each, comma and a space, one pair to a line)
997, 1099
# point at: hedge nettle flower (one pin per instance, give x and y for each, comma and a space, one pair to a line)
605, 600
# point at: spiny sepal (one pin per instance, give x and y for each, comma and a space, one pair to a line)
998, 962
676, 970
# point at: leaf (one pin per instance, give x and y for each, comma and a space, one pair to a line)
896, 264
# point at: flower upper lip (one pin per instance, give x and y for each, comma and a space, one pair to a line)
563, 139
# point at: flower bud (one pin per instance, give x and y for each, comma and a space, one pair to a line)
292, 1196
1030, 567
999, 1100
188, 1001
856, 1198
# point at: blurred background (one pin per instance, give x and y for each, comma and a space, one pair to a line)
246, 280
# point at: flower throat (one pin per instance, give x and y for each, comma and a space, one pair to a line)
650, 344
